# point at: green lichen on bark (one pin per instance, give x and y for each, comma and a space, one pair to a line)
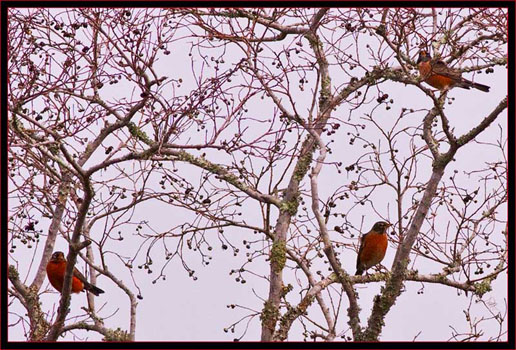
325, 93
211, 167
13, 273
201, 162
290, 206
16, 124
442, 161
269, 315
139, 134
38, 324
305, 303
383, 303
117, 335
286, 289
315, 44
483, 287
291, 315
303, 164
279, 255
393, 74
301, 169
147, 154
54, 148
380, 30
63, 193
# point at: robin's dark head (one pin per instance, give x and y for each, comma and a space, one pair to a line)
57, 256
381, 226
424, 56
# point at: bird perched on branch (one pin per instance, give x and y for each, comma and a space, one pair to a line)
56, 269
373, 246
435, 73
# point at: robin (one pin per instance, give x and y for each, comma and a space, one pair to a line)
372, 247
435, 73
56, 268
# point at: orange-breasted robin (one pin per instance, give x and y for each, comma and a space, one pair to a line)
435, 73
373, 246
56, 269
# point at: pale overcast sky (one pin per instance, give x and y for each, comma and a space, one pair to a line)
180, 308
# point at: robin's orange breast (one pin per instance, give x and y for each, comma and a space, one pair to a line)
439, 81
373, 252
425, 68
56, 272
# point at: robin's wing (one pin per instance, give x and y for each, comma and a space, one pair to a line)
79, 275
440, 68
362, 243
87, 285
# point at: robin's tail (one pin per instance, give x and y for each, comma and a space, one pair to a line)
359, 272
481, 87
466, 84
95, 290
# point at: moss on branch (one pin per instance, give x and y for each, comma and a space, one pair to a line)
279, 255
